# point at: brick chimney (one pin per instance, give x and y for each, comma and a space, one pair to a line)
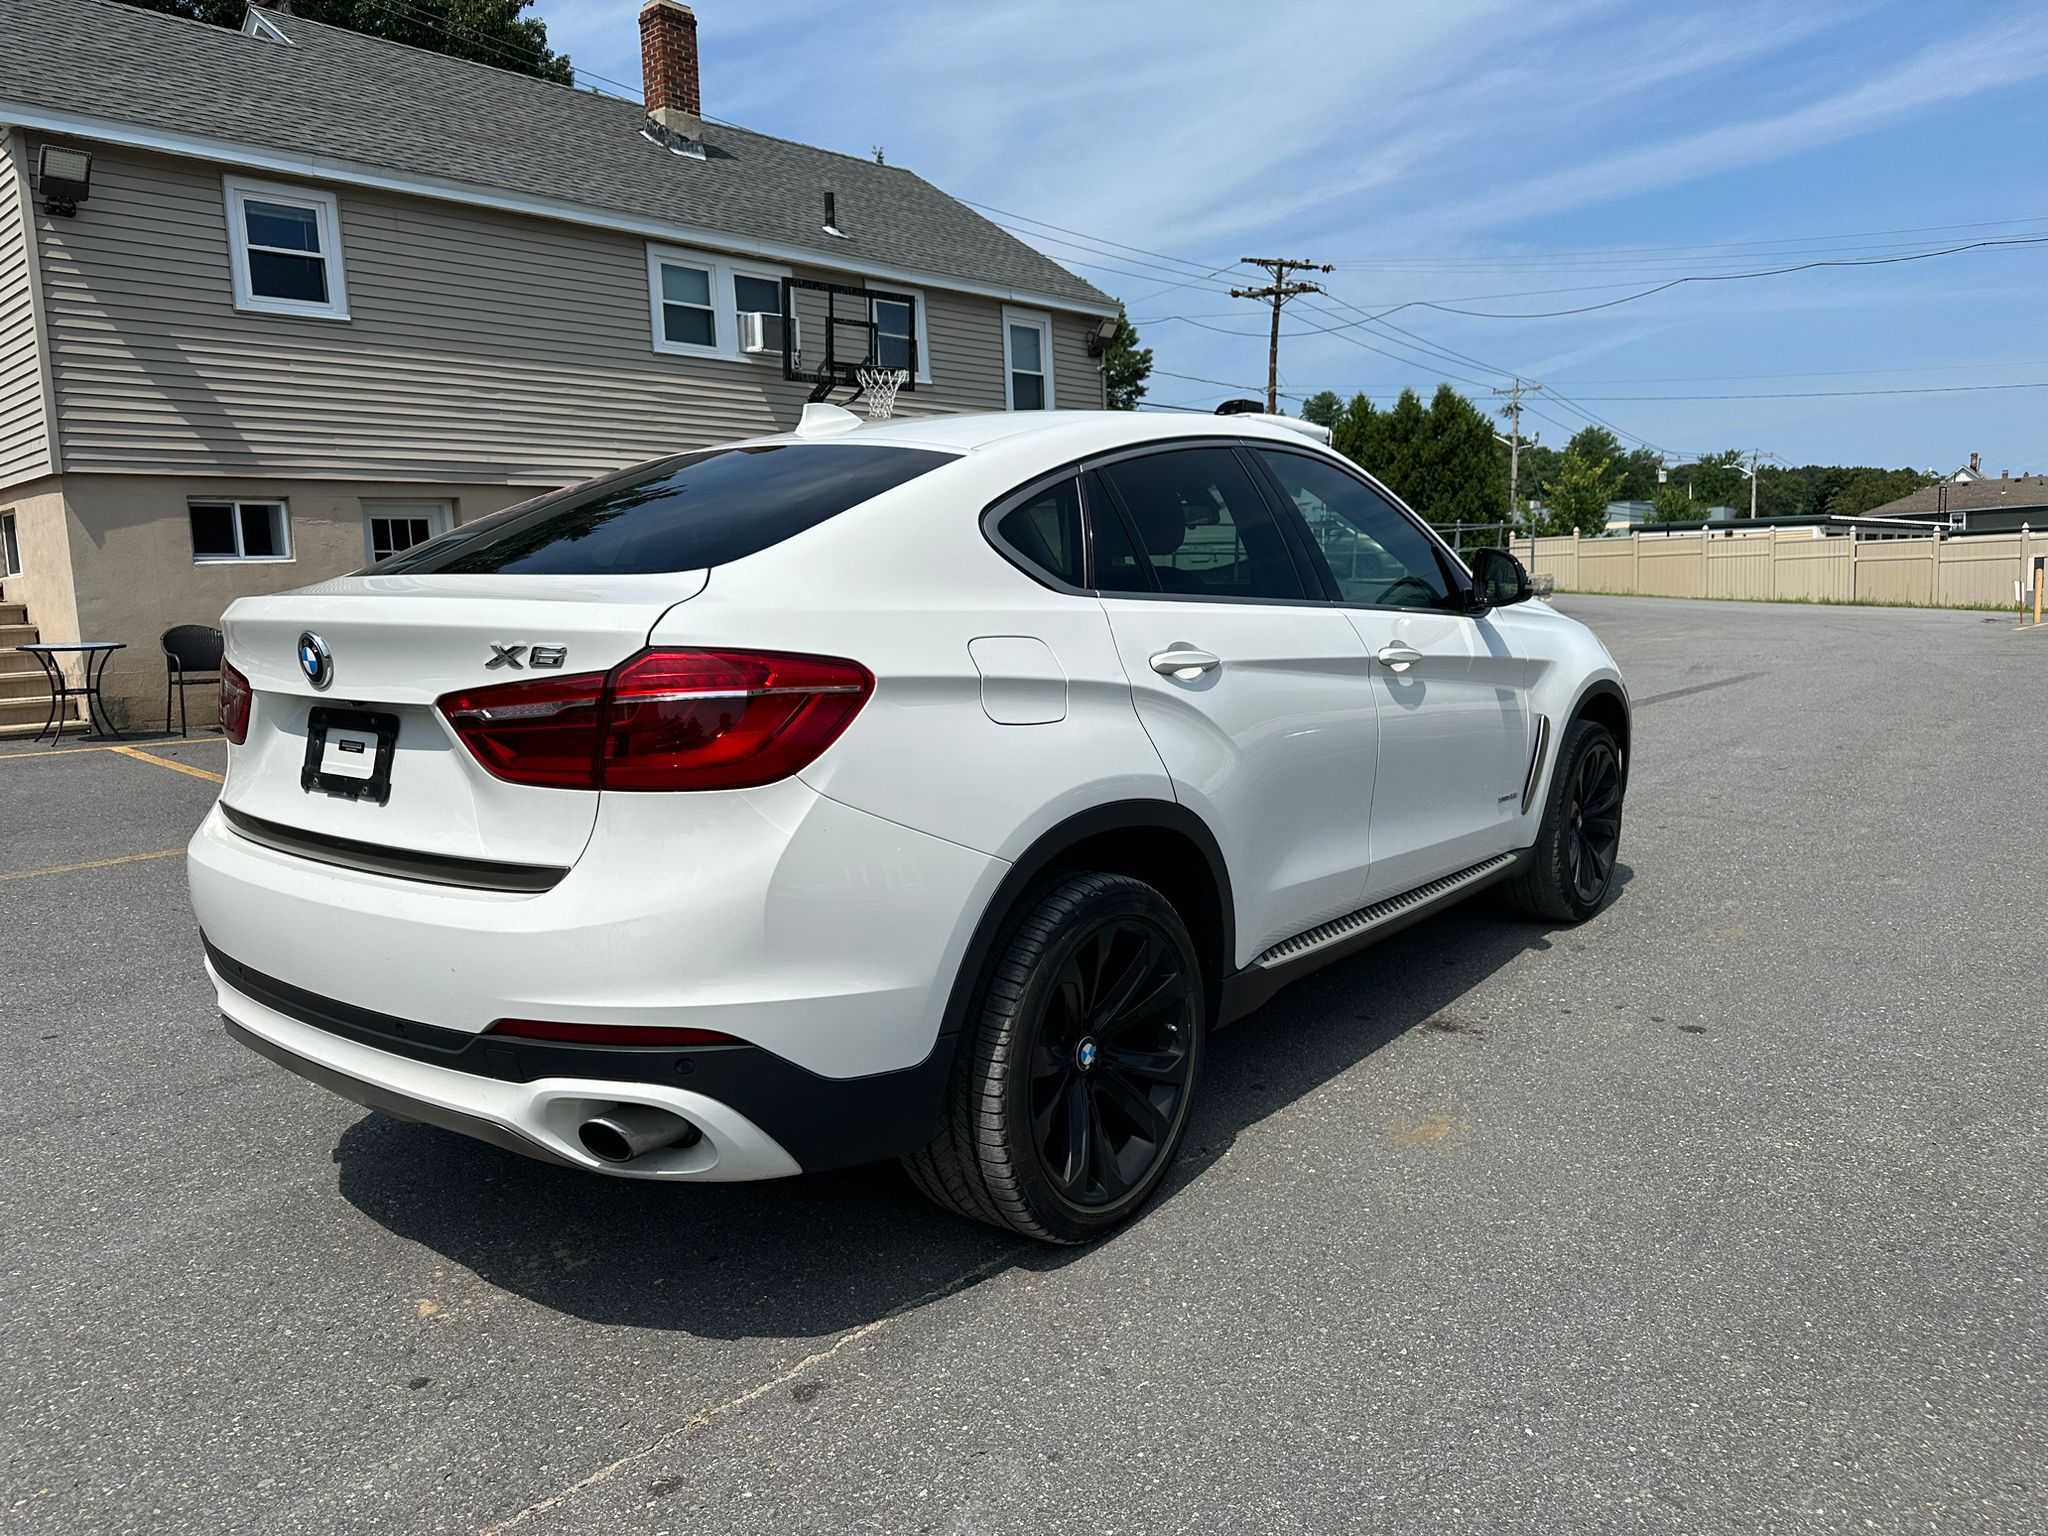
1973, 457
668, 66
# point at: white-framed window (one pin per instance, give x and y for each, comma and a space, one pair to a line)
896, 325
696, 301
239, 530
391, 527
685, 307
285, 245
1027, 359
10, 546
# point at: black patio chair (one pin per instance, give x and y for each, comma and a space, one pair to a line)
191, 659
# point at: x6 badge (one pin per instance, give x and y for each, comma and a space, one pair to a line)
544, 657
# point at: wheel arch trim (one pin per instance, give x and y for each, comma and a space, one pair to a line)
1607, 688
1044, 852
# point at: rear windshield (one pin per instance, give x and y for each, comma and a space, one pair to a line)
681, 514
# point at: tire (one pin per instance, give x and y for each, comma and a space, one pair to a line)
1072, 1085
1571, 869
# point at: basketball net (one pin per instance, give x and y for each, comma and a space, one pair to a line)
878, 388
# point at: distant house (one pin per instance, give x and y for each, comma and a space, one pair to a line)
1976, 505
1628, 516
307, 297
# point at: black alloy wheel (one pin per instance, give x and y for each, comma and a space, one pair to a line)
1073, 1085
1110, 1064
1569, 870
1594, 805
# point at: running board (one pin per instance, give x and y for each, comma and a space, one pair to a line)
1305, 952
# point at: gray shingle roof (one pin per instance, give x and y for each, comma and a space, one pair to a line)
401, 110
1970, 496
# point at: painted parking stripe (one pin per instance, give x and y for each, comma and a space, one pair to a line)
164, 762
74, 751
72, 869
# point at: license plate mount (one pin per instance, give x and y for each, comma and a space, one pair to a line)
349, 753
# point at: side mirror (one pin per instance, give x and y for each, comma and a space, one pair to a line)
1500, 578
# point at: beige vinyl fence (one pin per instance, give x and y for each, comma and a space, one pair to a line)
1790, 564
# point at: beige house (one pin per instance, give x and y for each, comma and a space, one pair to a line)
307, 297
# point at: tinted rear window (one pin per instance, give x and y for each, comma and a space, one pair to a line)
680, 514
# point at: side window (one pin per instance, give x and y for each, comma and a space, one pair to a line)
1204, 529
1027, 359
895, 334
239, 530
287, 249
1118, 565
1377, 555
1046, 531
684, 304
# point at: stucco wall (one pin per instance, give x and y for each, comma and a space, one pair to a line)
43, 532
131, 558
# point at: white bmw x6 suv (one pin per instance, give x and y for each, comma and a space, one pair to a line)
926, 789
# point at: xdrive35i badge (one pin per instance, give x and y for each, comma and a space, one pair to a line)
315, 660
539, 657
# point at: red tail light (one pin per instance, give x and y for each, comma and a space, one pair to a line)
664, 720
235, 697
607, 1034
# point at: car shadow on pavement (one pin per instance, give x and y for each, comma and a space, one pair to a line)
813, 1256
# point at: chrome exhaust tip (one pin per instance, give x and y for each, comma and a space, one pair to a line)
627, 1131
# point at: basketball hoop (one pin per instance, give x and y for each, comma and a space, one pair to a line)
879, 386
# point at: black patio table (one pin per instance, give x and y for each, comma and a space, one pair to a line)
96, 654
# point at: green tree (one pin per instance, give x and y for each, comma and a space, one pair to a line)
1323, 408
1461, 477
1576, 497
1438, 458
1394, 446
486, 31
1352, 433
1638, 476
1125, 366
1718, 480
1593, 442
1672, 505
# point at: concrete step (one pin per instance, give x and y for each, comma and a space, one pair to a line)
17, 732
13, 613
31, 711
12, 662
12, 635
24, 685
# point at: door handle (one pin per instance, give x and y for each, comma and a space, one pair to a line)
1398, 657
1184, 662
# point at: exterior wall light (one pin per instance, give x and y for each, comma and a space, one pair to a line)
65, 176
1104, 333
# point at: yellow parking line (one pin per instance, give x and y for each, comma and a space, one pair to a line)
72, 869
164, 762
73, 751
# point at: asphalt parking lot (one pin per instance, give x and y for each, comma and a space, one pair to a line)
1721, 1213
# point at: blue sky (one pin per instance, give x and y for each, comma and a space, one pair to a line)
1489, 155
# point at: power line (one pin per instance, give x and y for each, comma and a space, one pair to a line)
1729, 245
1715, 277
1835, 394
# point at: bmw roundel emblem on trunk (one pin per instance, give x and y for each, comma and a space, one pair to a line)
315, 660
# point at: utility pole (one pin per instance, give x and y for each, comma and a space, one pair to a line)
1752, 482
1278, 292
1513, 411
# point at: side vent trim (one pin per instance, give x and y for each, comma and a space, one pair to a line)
1536, 763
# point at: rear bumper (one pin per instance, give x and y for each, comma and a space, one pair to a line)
825, 936
762, 1117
